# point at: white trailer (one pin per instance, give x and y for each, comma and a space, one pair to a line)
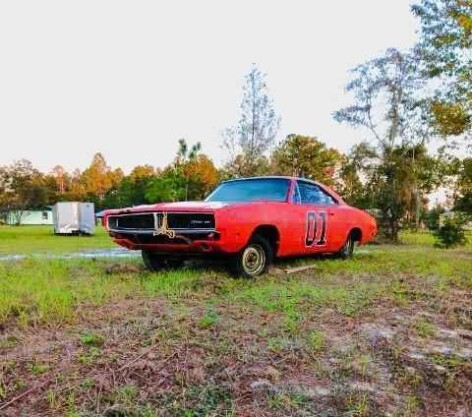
74, 218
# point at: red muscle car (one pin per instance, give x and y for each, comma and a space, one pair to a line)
247, 221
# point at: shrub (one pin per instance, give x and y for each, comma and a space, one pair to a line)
451, 233
432, 217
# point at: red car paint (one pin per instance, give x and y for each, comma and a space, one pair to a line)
301, 229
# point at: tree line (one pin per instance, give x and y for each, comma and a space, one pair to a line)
190, 176
401, 101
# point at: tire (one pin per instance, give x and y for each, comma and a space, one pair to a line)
348, 248
254, 259
155, 262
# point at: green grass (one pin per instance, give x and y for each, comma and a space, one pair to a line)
27, 240
426, 238
190, 342
37, 290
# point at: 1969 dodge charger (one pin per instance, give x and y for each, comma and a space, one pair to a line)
247, 221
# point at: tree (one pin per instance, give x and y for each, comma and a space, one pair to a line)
359, 163
239, 167
445, 52
203, 177
132, 188
386, 99
142, 172
76, 190
22, 187
385, 91
181, 168
256, 130
308, 157
98, 179
163, 188
61, 178
463, 193
190, 176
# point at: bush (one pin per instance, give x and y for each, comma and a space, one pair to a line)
432, 217
451, 233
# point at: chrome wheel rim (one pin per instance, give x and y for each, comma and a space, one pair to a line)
253, 260
349, 246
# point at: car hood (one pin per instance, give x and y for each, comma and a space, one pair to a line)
192, 206
175, 207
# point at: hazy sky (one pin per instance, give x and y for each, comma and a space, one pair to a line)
128, 79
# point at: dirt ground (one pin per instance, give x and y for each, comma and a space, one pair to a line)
388, 333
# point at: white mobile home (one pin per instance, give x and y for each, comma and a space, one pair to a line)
30, 217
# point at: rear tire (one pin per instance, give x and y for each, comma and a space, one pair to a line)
348, 249
156, 262
254, 259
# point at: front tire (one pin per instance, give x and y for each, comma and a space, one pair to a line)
156, 262
254, 259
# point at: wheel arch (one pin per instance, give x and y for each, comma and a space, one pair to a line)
270, 233
356, 233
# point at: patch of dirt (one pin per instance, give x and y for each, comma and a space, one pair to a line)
156, 351
122, 268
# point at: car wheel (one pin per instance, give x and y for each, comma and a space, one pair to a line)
156, 262
254, 259
348, 249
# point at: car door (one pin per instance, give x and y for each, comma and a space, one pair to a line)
318, 211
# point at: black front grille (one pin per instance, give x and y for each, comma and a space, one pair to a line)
175, 221
131, 221
190, 221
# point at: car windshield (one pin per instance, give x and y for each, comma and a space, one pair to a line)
260, 189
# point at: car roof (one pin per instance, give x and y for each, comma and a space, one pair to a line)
291, 178
264, 177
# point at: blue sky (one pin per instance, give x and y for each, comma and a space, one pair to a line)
129, 79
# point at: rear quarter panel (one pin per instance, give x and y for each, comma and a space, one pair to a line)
365, 222
237, 223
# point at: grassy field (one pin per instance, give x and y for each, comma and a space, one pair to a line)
387, 333
41, 239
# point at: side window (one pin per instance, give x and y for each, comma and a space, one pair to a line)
296, 195
312, 194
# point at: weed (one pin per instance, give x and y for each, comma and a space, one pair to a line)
87, 384
317, 341
125, 395
363, 362
451, 362
53, 400
292, 324
90, 356
92, 339
275, 345
411, 406
38, 368
358, 405
424, 328
8, 342
210, 318
200, 401
409, 378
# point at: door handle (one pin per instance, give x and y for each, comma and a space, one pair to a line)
331, 213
